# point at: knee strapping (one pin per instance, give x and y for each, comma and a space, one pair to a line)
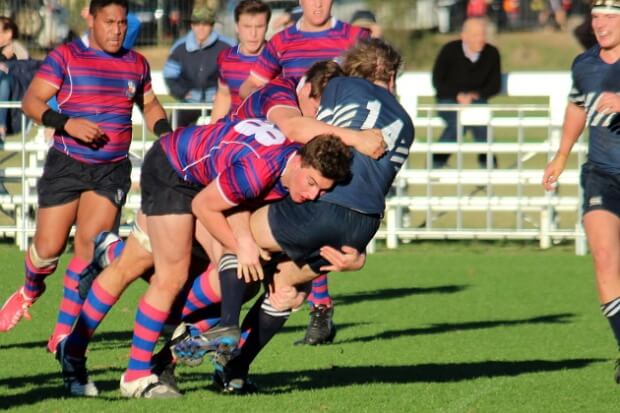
272, 311
227, 262
39, 262
141, 236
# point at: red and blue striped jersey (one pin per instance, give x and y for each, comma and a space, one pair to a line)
100, 87
278, 92
234, 67
291, 52
245, 158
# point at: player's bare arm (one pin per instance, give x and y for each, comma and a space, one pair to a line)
209, 207
154, 114
249, 85
221, 103
574, 122
35, 107
303, 128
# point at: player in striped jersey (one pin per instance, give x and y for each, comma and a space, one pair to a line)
234, 63
290, 52
87, 171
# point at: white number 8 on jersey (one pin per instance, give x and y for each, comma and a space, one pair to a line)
265, 133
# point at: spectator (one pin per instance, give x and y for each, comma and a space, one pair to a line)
191, 71
367, 20
477, 8
548, 7
10, 50
466, 71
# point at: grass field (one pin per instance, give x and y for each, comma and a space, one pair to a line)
446, 327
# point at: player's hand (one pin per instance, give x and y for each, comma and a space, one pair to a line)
249, 258
84, 130
553, 170
285, 297
608, 103
371, 143
464, 98
345, 259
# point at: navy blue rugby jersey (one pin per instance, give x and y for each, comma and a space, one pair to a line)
358, 104
591, 77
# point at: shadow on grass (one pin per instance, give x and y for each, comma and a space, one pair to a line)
562, 318
388, 293
108, 336
49, 386
287, 382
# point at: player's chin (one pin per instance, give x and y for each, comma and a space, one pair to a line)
298, 198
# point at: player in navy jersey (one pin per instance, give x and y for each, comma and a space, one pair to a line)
349, 215
594, 101
87, 171
290, 52
234, 64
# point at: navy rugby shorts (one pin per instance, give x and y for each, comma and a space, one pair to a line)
302, 229
164, 192
601, 190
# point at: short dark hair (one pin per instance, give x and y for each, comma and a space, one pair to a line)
319, 74
373, 60
327, 154
252, 7
9, 24
96, 5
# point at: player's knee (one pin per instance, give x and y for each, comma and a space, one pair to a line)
168, 285
604, 259
272, 311
42, 258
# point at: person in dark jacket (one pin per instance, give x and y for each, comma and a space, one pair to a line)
10, 51
466, 71
191, 71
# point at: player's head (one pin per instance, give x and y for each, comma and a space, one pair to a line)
374, 60
474, 34
313, 83
202, 21
320, 163
606, 22
251, 21
316, 13
107, 23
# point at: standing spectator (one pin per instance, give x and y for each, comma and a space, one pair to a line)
367, 20
594, 103
466, 71
191, 70
290, 52
87, 171
10, 49
251, 21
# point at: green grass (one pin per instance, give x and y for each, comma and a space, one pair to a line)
446, 327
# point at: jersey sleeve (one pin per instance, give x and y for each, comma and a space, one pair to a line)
246, 179
576, 94
53, 68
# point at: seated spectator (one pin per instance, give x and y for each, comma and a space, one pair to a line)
191, 70
367, 20
10, 50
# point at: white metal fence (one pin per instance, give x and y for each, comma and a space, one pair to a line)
460, 201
